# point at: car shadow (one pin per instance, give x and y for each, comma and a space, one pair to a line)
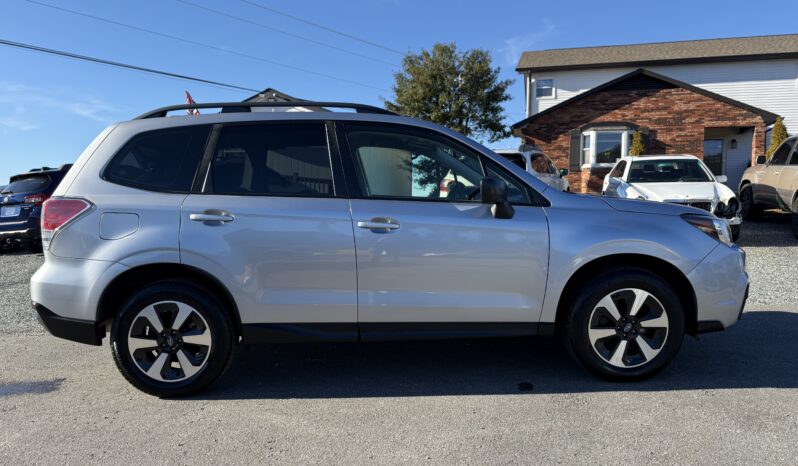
772, 229
758, 352
34, 387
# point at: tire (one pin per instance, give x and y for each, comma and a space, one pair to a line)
633, 347
735, 231
185, 367
750, 209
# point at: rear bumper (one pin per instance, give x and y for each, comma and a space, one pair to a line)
81, 331
22, 234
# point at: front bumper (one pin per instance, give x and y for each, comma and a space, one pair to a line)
721, 286
81, 331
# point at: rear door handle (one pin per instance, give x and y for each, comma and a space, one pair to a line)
208, 217
379, 224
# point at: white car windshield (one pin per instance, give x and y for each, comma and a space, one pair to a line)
667, 171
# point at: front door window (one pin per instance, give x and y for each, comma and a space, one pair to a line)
713, 155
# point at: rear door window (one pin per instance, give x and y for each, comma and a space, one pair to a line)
517, 159
29, 184
163, 160
272, 159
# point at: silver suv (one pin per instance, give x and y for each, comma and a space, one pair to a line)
180, 237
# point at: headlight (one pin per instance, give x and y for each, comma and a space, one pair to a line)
712, 226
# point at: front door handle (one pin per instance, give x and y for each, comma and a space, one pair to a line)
211, 217
379, 224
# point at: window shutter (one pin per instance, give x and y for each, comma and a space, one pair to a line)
575, 158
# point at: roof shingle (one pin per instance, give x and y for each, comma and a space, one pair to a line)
739, 48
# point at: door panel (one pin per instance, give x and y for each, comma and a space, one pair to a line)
450, 262
285, 260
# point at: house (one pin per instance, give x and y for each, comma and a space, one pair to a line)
716, 99
273, 95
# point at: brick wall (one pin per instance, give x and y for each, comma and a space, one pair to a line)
676, 118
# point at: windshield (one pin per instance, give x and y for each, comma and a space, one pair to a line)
667, 171
27, 185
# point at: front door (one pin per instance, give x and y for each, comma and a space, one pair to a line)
270, 224
428, 252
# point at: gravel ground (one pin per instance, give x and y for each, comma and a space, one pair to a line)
730, 398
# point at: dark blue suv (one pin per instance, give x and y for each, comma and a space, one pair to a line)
21, 206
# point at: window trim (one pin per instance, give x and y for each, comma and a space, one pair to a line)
553, 95
205, 186
197, 170
590, 162
350, 170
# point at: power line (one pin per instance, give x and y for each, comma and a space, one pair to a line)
287, 33
321, 26
202, 44
75, 56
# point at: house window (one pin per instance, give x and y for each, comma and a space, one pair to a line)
544, 88
605, 147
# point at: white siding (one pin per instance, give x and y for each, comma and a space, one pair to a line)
771, 85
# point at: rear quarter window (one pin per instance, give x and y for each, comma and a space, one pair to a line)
162, 160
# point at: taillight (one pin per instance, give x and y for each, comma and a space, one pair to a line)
57, 212
36, 199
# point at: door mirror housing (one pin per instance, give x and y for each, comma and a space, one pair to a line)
721, 178
761, 159
494, 191
563, 172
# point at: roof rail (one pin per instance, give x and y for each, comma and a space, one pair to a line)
232, 107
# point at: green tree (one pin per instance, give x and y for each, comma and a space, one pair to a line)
777, 136
638, 148
459, 90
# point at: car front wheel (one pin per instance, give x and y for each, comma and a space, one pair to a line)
171, 339
626, 324
750, 210
794, 217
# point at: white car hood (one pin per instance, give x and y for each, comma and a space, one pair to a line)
684, 191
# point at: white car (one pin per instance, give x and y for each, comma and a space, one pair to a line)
533, 160
677, 179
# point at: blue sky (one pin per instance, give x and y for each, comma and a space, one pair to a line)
51, 107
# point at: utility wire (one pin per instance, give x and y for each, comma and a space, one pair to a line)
75, 56
321, 26
202, 44
287, 33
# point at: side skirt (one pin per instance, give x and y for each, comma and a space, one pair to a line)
390, 331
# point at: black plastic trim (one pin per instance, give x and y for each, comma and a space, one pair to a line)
299, 333
81, 331
386, 331
379, 331
708, 326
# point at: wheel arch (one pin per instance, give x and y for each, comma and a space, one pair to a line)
122, 286
663, 269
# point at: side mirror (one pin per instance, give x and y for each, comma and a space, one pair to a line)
761, 159
563, 172
721, 178
494, 191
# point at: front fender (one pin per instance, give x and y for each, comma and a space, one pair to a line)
579, 237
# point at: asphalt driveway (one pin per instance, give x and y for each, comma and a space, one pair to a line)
728, 398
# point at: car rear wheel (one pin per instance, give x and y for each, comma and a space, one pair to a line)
794, 217
171, 339
627, 324
750, 210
